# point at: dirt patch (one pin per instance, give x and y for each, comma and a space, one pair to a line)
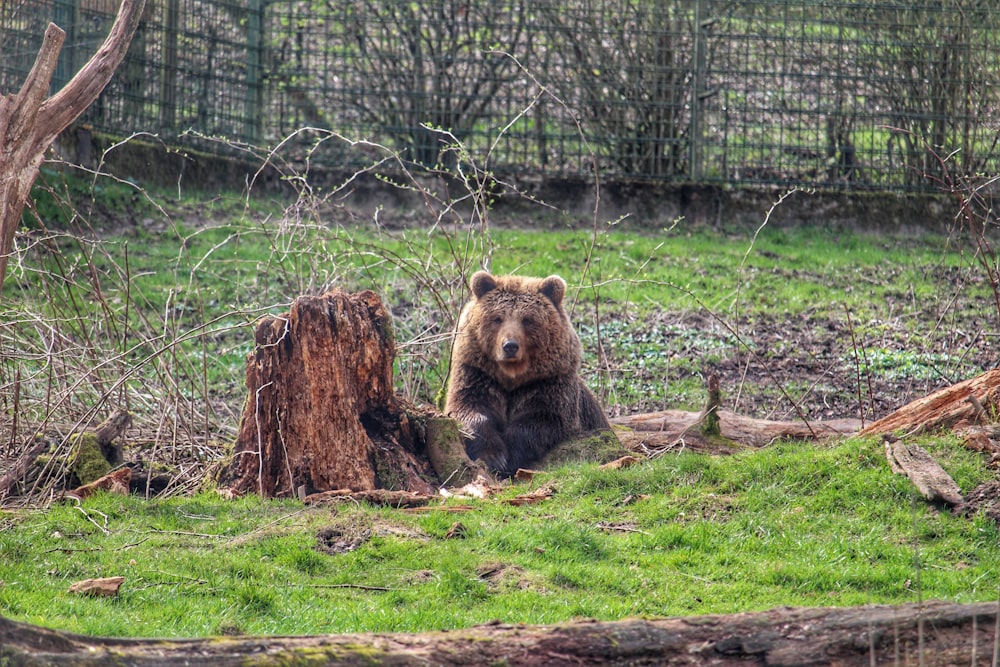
503, 576
984, 499
341, 540
805, 366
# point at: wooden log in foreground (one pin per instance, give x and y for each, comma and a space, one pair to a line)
931, 634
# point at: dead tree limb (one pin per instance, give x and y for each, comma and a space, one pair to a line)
945, 408
932, 634
29, 122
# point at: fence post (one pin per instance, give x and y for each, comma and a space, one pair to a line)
66, 15
255, 85
168, 67
696, 138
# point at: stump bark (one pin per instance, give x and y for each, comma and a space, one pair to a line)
321, 413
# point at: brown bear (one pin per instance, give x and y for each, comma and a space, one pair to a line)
514, 365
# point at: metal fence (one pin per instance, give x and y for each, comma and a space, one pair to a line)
878, 95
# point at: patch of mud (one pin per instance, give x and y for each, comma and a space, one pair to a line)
349, 535
341, 540
797, 366
984, 499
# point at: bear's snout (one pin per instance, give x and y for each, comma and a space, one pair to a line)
510, 349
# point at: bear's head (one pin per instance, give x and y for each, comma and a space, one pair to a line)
517, 328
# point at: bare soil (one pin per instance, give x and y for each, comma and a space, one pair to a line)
810, 367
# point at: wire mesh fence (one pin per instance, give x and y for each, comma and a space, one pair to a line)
880, 95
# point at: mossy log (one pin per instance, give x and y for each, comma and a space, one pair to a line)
931, 634
94, 453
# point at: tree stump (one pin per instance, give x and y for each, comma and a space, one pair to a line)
321, 413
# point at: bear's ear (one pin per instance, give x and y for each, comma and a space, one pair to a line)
553, 287
482, 283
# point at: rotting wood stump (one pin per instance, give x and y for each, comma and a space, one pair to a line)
321, 413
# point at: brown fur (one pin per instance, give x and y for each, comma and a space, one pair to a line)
514, 372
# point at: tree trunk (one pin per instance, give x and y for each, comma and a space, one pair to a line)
933, 634
321, 413
29, 123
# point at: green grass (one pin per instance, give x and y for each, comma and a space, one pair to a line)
683, 534
159, 317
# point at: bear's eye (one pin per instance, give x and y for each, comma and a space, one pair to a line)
528, 322
497, 320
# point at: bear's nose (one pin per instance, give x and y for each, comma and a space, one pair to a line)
510, 348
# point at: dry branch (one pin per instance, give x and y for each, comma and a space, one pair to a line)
932, 634
382, 497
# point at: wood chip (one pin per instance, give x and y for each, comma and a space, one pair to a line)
536, 496
623, 462
105, 587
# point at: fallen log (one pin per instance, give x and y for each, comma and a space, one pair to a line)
680, 429
381, 497
963, 404
101, 440
931, 634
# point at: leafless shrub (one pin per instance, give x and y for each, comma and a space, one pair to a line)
630, 80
